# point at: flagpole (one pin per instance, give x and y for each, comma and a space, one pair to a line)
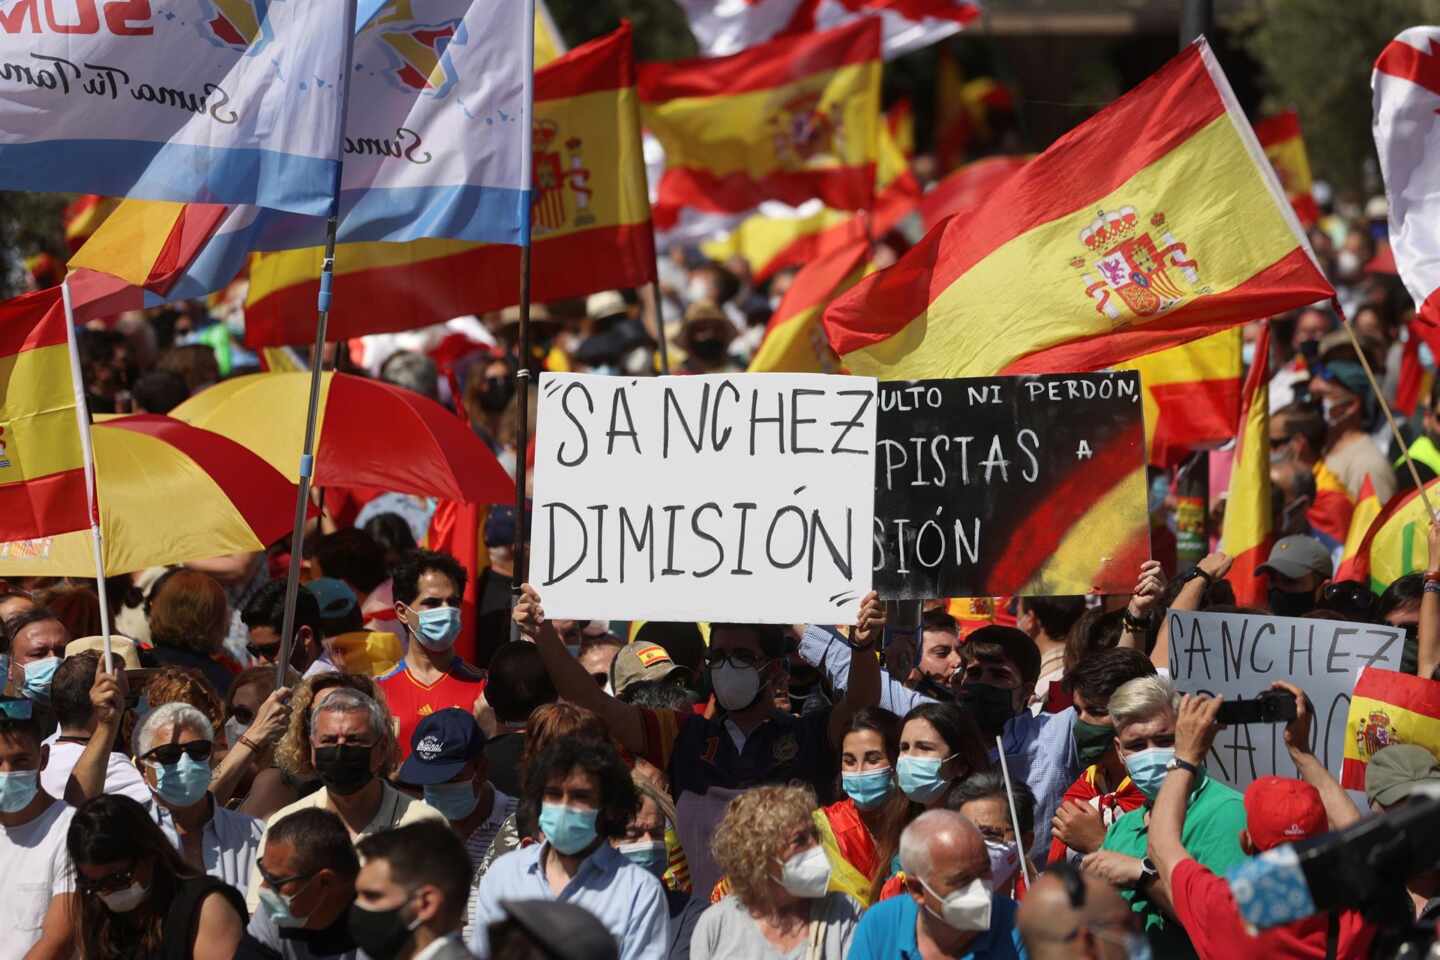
322, 322
87, 452
659, 302
1389, 417
522, 370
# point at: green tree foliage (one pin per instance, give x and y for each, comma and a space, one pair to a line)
1317, 56
661, 31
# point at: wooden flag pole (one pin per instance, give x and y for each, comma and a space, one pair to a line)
322, 322
522, 370
1389, 417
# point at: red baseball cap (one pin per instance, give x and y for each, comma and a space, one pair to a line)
1280, 810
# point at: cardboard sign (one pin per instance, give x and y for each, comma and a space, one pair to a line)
1004, 485
741, 497
1238, 656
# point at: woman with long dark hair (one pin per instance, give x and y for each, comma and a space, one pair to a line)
139, 899
873, 812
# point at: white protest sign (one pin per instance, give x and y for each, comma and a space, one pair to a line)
1238, 656
745, 497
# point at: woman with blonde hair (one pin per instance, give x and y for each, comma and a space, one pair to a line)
769, 848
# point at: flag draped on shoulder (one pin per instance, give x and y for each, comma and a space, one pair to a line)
1191, 395
1119, 240
1388, 707
788, 120
1280, 136
1406, 85
729, 26
1247, 530
794, 342
220, 101
590, 224
42, 470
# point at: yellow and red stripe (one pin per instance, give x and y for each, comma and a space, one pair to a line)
1014, 288
1285, 147
149, 243
1333, 508
1388, 707
42, 470
1247, 530
83, 216
787, 120
1361, 519
587, 96
794, 341
1191, 395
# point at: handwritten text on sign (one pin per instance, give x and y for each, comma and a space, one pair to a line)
744, 497
1002, 485
1238, 656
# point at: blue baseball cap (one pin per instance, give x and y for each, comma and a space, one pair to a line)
441, 745
335, 597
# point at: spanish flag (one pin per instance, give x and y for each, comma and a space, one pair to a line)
1361, 518
966, 188
1332, 511
794, 341
788, 120
1247, 530
1152, 224
1396, 542
1191, 395
1388, 707
1280, 136
149, 243
42, 469
963, 109
590, 223
83, 216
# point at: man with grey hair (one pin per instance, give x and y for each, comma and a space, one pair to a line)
1144, 712
950, 910
173, 747
350, 747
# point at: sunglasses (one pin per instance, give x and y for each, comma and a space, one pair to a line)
1348, 596
169, 753
275, 883
243, 716
736, 658
266, 653
109, 883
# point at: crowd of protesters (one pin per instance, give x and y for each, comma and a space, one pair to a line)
429, 785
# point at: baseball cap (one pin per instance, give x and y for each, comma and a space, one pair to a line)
563, 930
441, 745
1394, 771
122, 647
1281, 810
641, 661
335, 597
500, 526
1297, 555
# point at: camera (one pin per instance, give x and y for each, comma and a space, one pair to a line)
1272, 706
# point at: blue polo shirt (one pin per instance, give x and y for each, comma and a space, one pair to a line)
887, 932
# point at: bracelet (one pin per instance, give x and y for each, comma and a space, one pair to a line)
1432, 576
245, 740
1431, 586
1132, 622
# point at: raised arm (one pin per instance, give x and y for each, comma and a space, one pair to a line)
862, 687
1143, 600
1429, 641
87, 778
1212, 568
570, 679
1195, 730
1340, 810
270, 722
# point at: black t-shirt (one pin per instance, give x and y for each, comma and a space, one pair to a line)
502, 754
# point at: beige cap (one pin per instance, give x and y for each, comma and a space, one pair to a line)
122, 647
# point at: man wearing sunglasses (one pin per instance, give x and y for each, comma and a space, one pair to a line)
747, 741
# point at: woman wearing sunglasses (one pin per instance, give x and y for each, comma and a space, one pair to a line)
173, 748
138, 898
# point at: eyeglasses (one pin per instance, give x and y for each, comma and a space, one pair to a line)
736, 658
109, 883
169, 753
267, 653
275, 883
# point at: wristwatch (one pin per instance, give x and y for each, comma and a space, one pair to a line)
1177, 764
1194, 572
1148, 874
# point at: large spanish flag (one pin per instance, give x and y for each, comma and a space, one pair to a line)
590, 222
966, 188
1388, 707
1280, 136
1154, 223
787, 120
794, 341
1247, 530
1396, 542
1191, 395
42, 469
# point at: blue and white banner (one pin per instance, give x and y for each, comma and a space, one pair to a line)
214, 101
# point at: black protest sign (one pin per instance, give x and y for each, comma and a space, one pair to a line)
1003, 485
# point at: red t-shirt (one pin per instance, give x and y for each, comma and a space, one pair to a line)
1112, 806
410, 700
1208, 913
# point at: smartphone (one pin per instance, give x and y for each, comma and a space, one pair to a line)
1272, 706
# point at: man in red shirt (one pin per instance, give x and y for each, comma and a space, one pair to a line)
1277, 811
428, 588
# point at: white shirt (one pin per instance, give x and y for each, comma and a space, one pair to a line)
36, 868
229, 842
120, 775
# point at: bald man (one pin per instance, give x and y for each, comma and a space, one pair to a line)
949, 909
1068, 914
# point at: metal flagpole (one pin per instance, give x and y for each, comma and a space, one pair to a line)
659, 302
1014, 817
522, 370
87, 451
322, 321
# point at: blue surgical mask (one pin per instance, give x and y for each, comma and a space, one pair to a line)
277, 906
17, 789
868, 789
455, 801
1247, 353
568, 830
38, 674
1147, 769
920, 777
182, 783
439, 626
650, 854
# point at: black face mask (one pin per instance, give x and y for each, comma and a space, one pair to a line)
344, 769
496, 395
991, 706
1283, 603
381, 934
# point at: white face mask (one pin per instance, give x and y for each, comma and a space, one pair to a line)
1004, 861
123, 901
966, 909
807, 874
735, 687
